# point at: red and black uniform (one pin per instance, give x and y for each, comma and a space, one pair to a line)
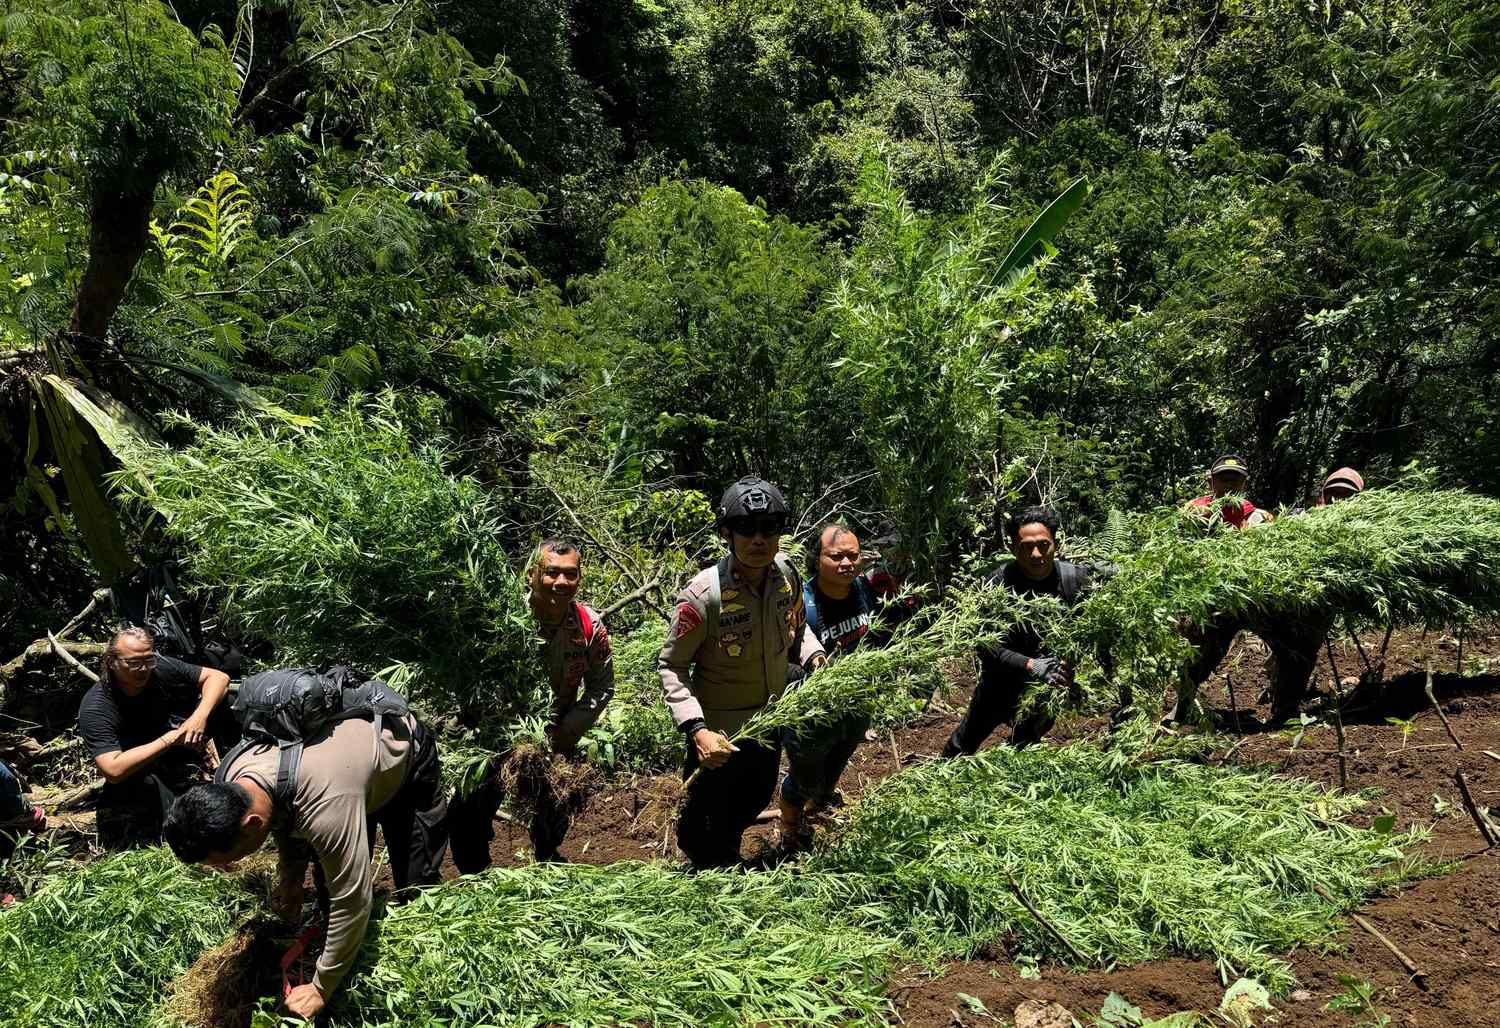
580, 666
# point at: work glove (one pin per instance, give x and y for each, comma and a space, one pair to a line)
1048, 670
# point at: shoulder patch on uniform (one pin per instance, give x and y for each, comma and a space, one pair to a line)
686, 620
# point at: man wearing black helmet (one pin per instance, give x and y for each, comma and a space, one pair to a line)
738, 630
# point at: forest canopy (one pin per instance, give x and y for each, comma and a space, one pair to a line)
604, 258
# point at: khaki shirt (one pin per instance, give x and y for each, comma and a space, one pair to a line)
343, 779
727, 679
581, 670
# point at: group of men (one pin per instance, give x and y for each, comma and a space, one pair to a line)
742, 631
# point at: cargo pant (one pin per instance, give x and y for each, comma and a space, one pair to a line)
723, 802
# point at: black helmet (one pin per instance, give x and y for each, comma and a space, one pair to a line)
751, 497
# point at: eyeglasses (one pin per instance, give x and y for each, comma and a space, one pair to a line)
847, 557
766, 526
138, 663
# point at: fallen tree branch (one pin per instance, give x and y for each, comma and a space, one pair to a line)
62, 651
638, 594
1016, 889
35, 652
83, 615
1486, 831
80, 798
1439, 707
1406, 961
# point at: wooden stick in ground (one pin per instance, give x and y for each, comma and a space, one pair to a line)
1406, 961
68, 658
1338, 715
1485, 830
1431, 696
1052, 928
1491, 754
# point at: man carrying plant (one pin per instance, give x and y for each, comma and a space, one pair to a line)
146, 722
845, 609
1294, 642
379, 767
580, 667
737, 629
1019, 661
1229, 475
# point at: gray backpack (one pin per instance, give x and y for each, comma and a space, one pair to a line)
291, 707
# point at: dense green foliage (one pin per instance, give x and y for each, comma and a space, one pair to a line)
1414, 557
100, 944
694, 238
923, 869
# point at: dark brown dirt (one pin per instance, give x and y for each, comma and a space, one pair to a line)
1450, 925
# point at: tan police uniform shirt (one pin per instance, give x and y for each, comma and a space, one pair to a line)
726, 679
344, 778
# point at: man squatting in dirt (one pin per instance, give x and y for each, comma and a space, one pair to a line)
845, 608
736, 629
361, 774
1019, 661
580, 666
146, 723
1294, 642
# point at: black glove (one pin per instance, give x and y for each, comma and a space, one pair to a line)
795, 673
1047, 669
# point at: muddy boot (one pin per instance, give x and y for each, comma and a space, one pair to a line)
795, 829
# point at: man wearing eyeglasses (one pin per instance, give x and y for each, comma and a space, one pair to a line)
737, 629
146, 723
845, 609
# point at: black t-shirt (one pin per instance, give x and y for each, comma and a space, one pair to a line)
1023, 642
110, 721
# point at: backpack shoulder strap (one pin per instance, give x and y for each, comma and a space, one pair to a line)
810, 603
288, 762
585, 622
1068, 581
866, 593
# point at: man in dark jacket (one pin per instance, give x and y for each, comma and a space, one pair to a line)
1007, 670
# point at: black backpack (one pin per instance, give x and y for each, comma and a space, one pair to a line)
292, 707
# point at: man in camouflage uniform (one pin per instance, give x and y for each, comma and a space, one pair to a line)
737, 629
580, 666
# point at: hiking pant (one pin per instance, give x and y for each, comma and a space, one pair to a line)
817, 758
471, 822
723, 802
1293, 641
997, 699
414, 822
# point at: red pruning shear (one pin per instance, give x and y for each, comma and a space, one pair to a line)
293, 966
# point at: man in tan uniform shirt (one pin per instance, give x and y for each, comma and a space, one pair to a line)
719, 666
348, 782
580, 667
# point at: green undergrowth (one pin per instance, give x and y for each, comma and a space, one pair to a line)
1128, 863
98, 946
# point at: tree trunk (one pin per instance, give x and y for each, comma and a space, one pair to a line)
118, 234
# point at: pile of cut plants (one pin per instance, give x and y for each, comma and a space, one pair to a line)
1046, 854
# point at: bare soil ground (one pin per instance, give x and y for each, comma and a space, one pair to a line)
1449, 925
